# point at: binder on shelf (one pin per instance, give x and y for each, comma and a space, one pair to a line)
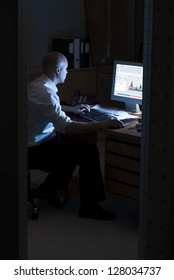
75, 49
76, 53
84, 52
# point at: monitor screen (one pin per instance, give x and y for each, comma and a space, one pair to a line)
127, 84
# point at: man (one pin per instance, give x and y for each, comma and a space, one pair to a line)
47, 121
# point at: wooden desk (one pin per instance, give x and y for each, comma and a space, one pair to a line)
122, 161
119, 157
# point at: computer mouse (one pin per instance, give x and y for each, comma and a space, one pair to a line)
121, 124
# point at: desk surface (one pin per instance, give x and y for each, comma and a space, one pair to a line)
128, 132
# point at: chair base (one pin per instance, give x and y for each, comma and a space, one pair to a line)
36, 193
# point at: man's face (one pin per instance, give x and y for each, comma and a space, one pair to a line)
63, 72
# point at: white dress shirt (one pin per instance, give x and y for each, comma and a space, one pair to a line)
45, 115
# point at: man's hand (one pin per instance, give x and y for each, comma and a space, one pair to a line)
80, 109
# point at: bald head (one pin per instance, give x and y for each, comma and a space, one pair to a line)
52, 60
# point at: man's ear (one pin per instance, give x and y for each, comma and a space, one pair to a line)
57, 70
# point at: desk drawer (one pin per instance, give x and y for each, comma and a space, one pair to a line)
123, 148
119, 175
122, 189
121, 162
122, 167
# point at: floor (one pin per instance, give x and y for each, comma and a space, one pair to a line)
59, 234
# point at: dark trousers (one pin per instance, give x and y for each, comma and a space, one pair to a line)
60, 157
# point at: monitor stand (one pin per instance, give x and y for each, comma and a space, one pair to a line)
132, 108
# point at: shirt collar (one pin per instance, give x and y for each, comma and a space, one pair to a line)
49, 83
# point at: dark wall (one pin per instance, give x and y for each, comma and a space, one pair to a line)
48, 19
9, 133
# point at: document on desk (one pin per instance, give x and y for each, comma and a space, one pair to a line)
120, 114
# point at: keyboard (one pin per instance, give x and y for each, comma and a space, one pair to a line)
95, 115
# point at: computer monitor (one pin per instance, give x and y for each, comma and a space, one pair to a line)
127, 84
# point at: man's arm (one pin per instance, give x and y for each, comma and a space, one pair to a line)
84, 127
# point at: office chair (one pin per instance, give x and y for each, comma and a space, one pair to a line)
33, 195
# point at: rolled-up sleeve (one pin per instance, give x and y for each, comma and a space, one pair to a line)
54, 114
